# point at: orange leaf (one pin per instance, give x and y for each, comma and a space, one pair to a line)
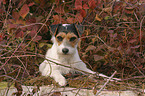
90, 47
24, 11
97, 18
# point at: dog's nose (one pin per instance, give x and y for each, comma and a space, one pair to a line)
65, 50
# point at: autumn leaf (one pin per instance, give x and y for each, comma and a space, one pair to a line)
97, 57
1, 38
31, 4
37, 38
24, 11
83, 12
90, 47
79, 18
19, 34
78, 4
70, 20
15, 15
129, 10
97, 18
92, 4
85, 6
59, 9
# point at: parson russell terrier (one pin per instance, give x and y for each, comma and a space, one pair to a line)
64, 51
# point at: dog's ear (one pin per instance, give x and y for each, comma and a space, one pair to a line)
80, 29
53, 29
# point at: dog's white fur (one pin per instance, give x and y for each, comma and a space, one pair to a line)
71, 59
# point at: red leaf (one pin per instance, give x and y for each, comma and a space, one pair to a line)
83, 12
85, 6
78, 4
19, 34
32, 33
79, 18
55, 17
24, 11
15, 15
37, 38
132, 40
59, 9
70, 20
92, 4
1, 38
137, 46
31, 4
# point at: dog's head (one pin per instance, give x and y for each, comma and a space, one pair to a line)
66, 37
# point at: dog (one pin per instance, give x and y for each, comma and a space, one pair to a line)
63, 51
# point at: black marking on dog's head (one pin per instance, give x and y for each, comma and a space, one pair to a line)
76, 29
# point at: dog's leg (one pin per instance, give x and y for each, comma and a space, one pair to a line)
47, 70
42, 66
82, 66
58, 77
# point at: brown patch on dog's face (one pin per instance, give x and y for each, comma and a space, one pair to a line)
70, 38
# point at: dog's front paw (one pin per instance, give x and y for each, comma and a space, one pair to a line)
61, 81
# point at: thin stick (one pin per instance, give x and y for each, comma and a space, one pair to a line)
106, 83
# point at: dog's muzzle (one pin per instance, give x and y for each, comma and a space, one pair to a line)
65, 50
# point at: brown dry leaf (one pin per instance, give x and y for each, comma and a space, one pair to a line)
15, 15
97, 18
37, 38
97, 57
129, 10
108, 9
90, 47
24, 11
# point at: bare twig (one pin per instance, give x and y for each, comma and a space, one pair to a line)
18, 56
68, 66
11, 55
106, 83
82, 86
137, 68
141, 33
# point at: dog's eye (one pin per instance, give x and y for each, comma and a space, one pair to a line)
59, 38
72, 39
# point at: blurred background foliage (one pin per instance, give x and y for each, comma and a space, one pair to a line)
114, 37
